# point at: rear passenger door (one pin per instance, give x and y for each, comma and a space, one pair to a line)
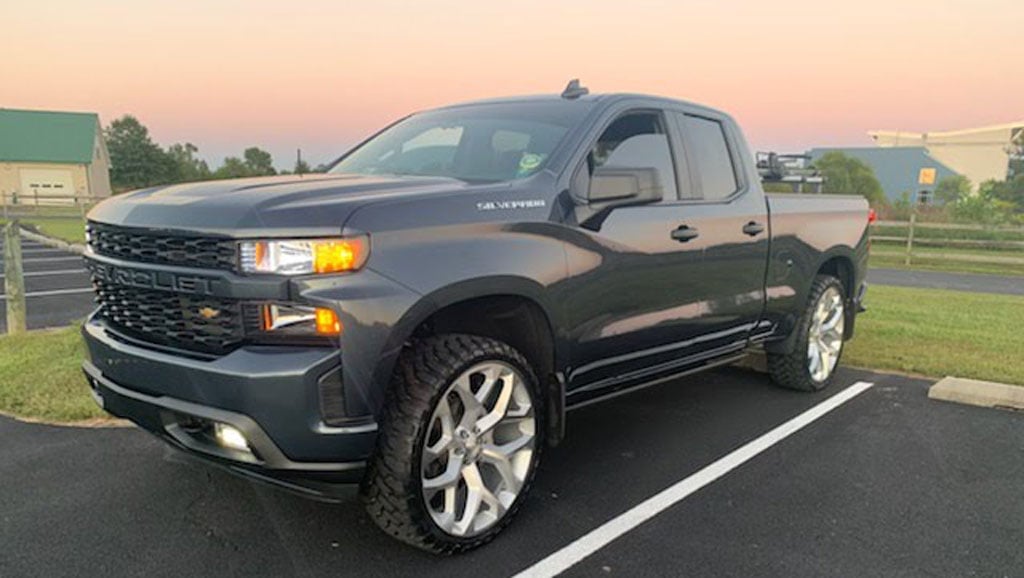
730, 215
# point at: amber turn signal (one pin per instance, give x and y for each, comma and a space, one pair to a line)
327, 322
339, 255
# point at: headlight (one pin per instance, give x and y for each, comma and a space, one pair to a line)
305, 256
297, 321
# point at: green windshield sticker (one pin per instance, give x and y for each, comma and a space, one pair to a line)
529, 163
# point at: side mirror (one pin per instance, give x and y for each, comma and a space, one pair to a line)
611, 186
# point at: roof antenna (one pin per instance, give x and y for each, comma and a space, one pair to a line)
573, 90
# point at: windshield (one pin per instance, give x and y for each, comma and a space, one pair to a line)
479, 143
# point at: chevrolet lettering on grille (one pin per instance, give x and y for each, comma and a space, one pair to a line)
151, 279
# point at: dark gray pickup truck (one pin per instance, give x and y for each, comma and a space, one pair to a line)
421, 318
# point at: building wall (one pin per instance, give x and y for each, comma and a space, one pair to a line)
11, 182
978, 154
897, 168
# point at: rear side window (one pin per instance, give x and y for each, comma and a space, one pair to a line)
710, 151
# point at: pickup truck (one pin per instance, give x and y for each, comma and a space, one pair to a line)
421, 318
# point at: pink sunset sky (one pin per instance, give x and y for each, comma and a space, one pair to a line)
320, 75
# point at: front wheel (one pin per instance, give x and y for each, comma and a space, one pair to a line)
458, 446
812, 363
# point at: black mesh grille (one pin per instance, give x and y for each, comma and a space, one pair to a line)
192, 322
145, 246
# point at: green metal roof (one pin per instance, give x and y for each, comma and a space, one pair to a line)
47, 137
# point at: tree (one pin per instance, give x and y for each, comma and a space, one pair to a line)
258, 162
232, 168
301, 167
135, 160
187, 166
1017, 156
952, 190
984, 207
847, 175
1010, 191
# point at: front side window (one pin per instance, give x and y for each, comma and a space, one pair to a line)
477, 143
636, 140
706, 139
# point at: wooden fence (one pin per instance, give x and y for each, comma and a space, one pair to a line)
45, 206
998, 250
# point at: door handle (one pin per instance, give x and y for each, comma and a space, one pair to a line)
685, 233
753, 228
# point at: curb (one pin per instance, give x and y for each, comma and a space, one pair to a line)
76, 248
979, 393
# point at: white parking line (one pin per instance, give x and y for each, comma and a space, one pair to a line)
51, 293
44, 259
33, 250
45, 273
572, 554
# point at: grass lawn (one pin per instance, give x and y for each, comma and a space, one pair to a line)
922, 331
70, 229
938, 333
41, 377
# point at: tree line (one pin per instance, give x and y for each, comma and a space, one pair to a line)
137, 162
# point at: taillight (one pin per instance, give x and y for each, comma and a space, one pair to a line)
872, 216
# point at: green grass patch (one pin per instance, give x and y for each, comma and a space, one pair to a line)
70, 229
41, 377
938, 333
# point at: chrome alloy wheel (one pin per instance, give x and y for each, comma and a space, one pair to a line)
478, 449
825, 336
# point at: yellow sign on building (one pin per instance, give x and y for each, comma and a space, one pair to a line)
926, 177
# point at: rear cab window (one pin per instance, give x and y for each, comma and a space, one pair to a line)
709, 150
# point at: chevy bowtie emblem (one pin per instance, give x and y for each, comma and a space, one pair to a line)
209, 312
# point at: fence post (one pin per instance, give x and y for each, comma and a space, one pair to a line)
910, 238
14, 282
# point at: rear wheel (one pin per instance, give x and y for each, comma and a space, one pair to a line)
459, 443
812, 363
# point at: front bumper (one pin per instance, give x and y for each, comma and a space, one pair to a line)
269, 393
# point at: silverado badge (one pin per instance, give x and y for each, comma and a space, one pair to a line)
209, 312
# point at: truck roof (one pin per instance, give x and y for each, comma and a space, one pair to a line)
592, 99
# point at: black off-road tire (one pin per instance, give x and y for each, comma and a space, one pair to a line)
790, 370
391, 489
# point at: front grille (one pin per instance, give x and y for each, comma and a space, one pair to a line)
141, 245
191, 322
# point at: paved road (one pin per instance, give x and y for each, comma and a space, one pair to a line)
955, 281
889, 483
56, 284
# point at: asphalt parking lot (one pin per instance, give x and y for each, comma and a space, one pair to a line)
888, 483
970, 282
56, 286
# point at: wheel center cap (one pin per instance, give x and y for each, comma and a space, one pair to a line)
469, 443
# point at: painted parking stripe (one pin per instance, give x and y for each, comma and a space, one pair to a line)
45, 259
586, 545
53, 292
47, 273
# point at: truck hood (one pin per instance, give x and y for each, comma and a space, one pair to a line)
282, 205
